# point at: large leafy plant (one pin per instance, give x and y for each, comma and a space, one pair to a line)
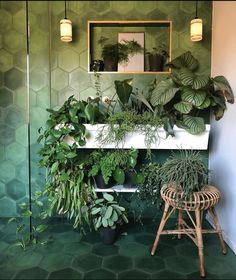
185, 94
106, 212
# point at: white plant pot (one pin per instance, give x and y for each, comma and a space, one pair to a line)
181, 140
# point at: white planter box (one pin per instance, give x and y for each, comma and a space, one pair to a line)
182, 139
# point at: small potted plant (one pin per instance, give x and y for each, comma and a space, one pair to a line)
156, 58
107, 214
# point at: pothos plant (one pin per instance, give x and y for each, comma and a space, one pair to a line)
68, 186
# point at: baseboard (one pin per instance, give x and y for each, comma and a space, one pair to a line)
229, 242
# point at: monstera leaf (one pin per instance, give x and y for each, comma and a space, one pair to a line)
188, 78
123, 90
185, 60
195, 97
183, 107
223, 88
194, 125
164, 92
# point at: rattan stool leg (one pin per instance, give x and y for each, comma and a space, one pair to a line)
161, 226
180, 221
218, 228
200, 242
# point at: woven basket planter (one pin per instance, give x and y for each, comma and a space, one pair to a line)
202, 200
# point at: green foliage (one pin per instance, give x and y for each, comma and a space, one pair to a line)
107, 213
186, 171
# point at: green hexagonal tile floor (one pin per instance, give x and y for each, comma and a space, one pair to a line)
69, 255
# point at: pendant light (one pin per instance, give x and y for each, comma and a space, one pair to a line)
196, 27
66, 28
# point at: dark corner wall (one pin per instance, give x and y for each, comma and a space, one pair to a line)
57, 70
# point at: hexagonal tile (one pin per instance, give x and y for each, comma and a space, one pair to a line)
14, 79
16, 153
52, 262
85, 94
27, 259
172, 6
134, 274
123, 9
32, 273
57, 8
100, 6
145, 7
217, 265
179, 23
77, 248
7, 135
19, 21
103, 250
7, 171
39, 61
100, 274
157, 14
87, 262
79, 80
1, 79
105, 81
20, 97
21, 135
118, 263
38, 40
13, 7
39, 117
181, 264
67, 273
39, 7
167, 274
144, 238
43, 98
38, 79
19, 60
5, 20
7, 207
15, 189
13, 41
2, 152
2, 190
150, 265
68, 60
6, 97
83, 60
14, 117
59, 79
64, 94
6, 60
134, 249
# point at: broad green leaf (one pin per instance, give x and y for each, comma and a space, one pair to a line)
98, 223
71, 155
108, 197
104, 222
163, 93
114, 216
41, 228
27, 213
185, 60
90, 112
54, 167
139, 96
125, 218
108, 212
188, 78
183, 107
95, 211
205, 104
119, 175
196, 97
20, 227
110, 223
194, 125
123, 90
222, 86
64, 177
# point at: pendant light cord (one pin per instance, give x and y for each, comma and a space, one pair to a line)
196, 8
65, 10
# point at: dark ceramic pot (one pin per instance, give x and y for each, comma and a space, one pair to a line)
110, 65
97, 65
128, 179
108, 235
100, 182
156, 62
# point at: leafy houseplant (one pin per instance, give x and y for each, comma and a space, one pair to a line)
156, 58
113, 54
181, 98
106, 216
186, 172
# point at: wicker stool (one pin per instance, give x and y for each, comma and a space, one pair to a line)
200, 201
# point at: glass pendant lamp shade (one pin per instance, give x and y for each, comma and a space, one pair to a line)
196, 29
66, 30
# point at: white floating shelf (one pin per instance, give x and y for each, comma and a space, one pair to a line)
118, 188
181, 140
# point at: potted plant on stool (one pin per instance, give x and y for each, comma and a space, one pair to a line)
106, 215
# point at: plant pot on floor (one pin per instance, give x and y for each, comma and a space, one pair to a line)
156, 62
100, 182
108, 235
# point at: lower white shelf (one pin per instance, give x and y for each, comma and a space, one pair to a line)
118, 188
